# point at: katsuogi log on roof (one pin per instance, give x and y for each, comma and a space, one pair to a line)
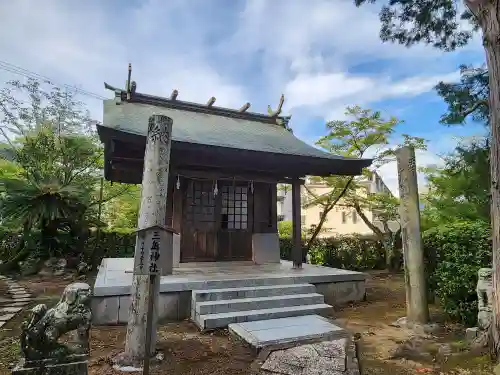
209, 137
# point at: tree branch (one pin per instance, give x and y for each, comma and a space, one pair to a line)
325, 212
475, 107
368, 223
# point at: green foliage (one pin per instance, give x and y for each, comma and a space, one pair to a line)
467, 98
122, 211
285, 228
460, 191
455, 252
50, 182
434, 22
345, 252
95, 246
365, 130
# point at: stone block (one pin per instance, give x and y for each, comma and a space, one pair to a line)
73, 368
168, 306
6, 317
123, 309
20, 300
325, 358
18, 296
105, 310
10, 309
184, 305
265, 248
471, 333
340, 293
271, 333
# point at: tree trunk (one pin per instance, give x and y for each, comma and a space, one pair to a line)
487, 13
324, 215
384, 238
491, 41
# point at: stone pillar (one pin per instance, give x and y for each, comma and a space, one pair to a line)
297, 225
152, 212
416, 291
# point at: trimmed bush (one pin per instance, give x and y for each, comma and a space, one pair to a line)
347, 252
106, 244
454, 253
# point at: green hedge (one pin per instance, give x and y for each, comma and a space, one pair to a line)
454, 254
347, 252
106, 244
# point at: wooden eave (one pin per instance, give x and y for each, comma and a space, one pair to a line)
124, 153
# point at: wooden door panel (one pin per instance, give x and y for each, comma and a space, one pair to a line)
235, 234
199, 229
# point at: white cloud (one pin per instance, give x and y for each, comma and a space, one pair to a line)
88, 44
327, 94
236, 51
305, 49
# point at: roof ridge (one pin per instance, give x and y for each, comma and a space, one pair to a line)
209, 108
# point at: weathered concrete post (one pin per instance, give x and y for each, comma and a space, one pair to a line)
152, 213
417, 307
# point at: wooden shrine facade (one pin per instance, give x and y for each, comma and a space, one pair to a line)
224, 169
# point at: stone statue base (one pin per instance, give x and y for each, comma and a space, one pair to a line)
72, 365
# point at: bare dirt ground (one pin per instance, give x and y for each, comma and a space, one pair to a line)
188, 352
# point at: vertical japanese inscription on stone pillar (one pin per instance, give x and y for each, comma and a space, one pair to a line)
150, 242
409, 212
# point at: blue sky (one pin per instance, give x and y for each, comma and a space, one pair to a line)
322, 54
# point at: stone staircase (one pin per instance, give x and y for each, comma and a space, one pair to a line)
217, 308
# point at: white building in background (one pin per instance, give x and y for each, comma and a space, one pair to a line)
341, 220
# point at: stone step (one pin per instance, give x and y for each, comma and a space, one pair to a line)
258, 303
250, 281
221, 320
268, 333
251, 292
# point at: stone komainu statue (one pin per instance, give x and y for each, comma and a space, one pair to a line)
41, 332
484, 292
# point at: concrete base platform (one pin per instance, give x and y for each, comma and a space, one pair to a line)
112, 288
276, 332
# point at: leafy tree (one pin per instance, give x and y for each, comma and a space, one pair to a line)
436, 22
467, 98
55, 163
366, 130
123, 211
460, 191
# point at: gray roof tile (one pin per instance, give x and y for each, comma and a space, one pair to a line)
207, 129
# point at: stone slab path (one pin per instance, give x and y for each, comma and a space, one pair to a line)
12, 303
302, 345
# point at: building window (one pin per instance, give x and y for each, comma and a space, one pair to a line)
281, 217
354, 217
344, 217
234, 207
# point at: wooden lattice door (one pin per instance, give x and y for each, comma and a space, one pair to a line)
199, 227
235, 233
